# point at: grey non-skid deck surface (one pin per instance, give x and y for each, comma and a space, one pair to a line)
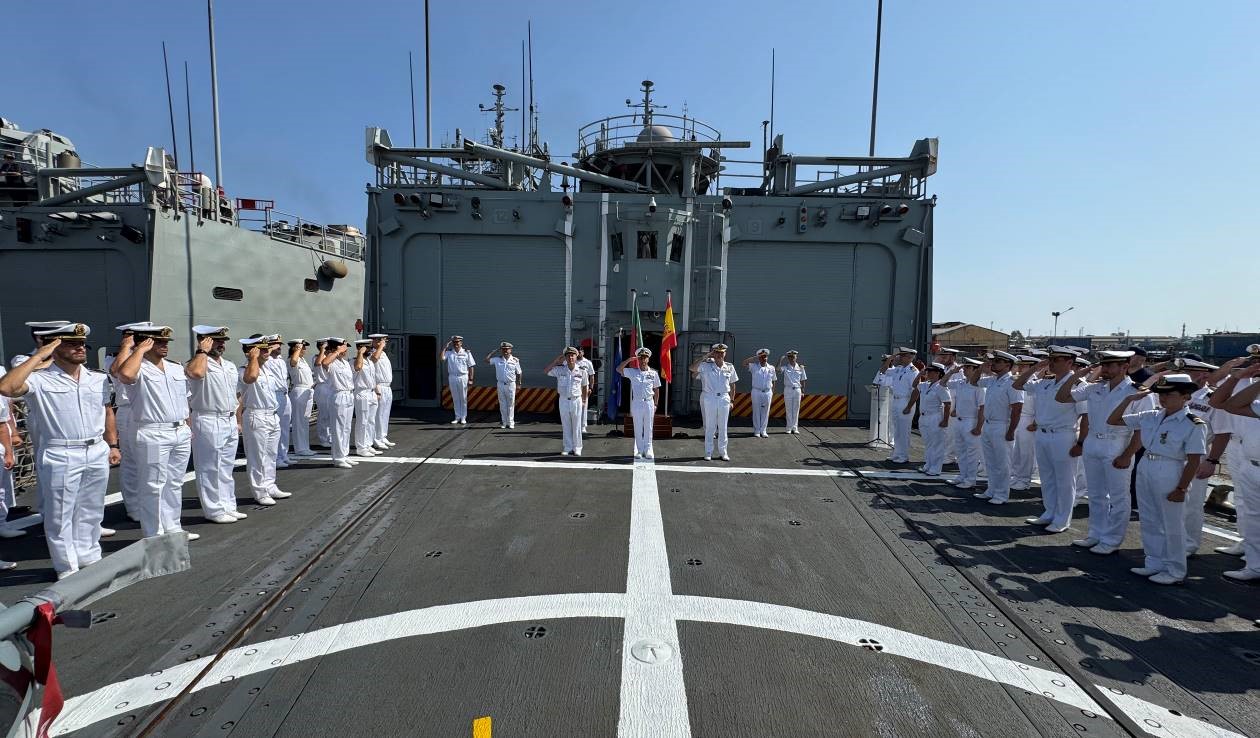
459, 564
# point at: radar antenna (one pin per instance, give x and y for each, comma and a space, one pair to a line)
647, 105
496, 133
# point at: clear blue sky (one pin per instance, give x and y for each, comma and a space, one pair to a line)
1101, 156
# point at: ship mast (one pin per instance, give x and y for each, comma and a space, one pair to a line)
497, 133
214, 98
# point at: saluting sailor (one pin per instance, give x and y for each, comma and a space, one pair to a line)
323, 399
1237, 395
1000, 408
1024, 453
507, 379
460, 370
279, 369
934, 401
951, 358
259, 419
159, 406
1175, 442
900, 377
301, 397
365, 404
572, 384
129, 469
645, 393
967, 425
384, 389
794, 378
1056, 434
717, 379
763, 375
76, 442
1220, 428
341, 400
585, 365
212, 383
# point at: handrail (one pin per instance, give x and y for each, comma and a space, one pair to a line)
343, 240
617, 131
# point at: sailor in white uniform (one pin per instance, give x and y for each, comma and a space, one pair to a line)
572, 384
1108, 448
8, 460
259, 420
1024, 452
950, 358
1000, 407
794, 378
1219, 431
934, 401
323, 400
900, 377
301, 397
159, 406
717, 379
279, 368
585, 365
645, 393
460, 371
1056, 434
212, 382
384, 389
507, 379
77, 442
129, 469
966, 424
365, 400
1239, 395
1175, 442
341, 400
762, 374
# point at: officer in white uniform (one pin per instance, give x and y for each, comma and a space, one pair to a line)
341, 400
301, 398
1107, 449
128, 470
460, 371
587, 366
645, 393
1024, 452
365, 402
1237, 395
7, 433
900, 377
966, 425
1175, 442
762, 374
260, 422
1056, 434
77, 442
279, 369
507, 379
1000, 408
212, 402
323, 400
950, 358
1220, 428
572, 384
717, 379
159, 407
384, 389
794, 378
934, 401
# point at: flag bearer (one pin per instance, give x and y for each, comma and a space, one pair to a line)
301, 397
572, 385
966, 424
645, 394
384, 388
793, 389
900, 376
717, 378
341, 400
258, 420
933, 398
212, 384
365, 400
507, 379
763, 375
1056, 435
460, 370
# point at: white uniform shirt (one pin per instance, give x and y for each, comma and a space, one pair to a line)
1171, 436
384, 370
642, 382
1049, 413
318, 373
216, 392
900, 379
586, 365
262, 394
1218, 421
763, 376
506, 370
458, 362
65, 409
365, 378
300, 375
569, 383
341, 376
160, 395
793, 376
717, 380
967, 399
1100, 400
999, 395
278, 367
932, 398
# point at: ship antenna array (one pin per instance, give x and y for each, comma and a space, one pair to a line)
533, 109
170, 106
496, 133
647, 104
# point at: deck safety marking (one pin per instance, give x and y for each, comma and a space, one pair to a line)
482, 727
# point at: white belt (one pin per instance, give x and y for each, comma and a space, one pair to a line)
162, 424
1056, 430
302, 386
1110, 436
69, 442
214, 413
1161, 457
763, 389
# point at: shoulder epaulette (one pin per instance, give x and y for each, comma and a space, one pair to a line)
1196, 419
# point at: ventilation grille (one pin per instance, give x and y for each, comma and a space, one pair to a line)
228, 293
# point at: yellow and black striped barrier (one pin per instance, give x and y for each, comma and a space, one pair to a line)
813, 407
528, 399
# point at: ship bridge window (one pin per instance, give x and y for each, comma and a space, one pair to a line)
228, 293
647, 245
676, 247
618, 246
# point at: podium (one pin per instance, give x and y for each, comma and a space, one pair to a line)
662, 426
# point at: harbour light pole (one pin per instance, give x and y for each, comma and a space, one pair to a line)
1056, 315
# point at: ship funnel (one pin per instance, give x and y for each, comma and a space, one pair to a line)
334, 269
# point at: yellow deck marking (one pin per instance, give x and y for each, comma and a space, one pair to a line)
481, 727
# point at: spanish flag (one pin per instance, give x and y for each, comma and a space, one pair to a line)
669, 340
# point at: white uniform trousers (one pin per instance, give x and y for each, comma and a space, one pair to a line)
385, 403
1023, 454
214, 438
326, 409
761, 400
571, 423
300, 400
997, 459
459, 395
262, 431
163, 450
717, 411
1080, 485
1058, 478
966, 448
507, 403
340, 417
284, 416
792, 408
934, 440
128, 469
585, 414
1196, 497
643, 412
1246, 476
1162, 523
901, 424
73, 480
1109, 498
364, 419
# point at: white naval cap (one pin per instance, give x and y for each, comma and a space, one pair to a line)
1194, 364
334, 340
1060, 351
943, 350
134, 326
935, 366
644, 351
1025, 359
363, 342
457, 338
44, 324
159, 332
297, 341
1004, 356
211, 331
66, 332
718, 347
1081, 361
1039, 353
792, 352
904, 350
1114, 357
255, 341
570, 350
969, 362
1175, 383
378, 335
763, 352
505, 344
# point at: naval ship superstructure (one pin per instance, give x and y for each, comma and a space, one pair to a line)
112, 245
829, 255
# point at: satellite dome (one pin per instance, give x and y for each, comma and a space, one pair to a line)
655, 133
